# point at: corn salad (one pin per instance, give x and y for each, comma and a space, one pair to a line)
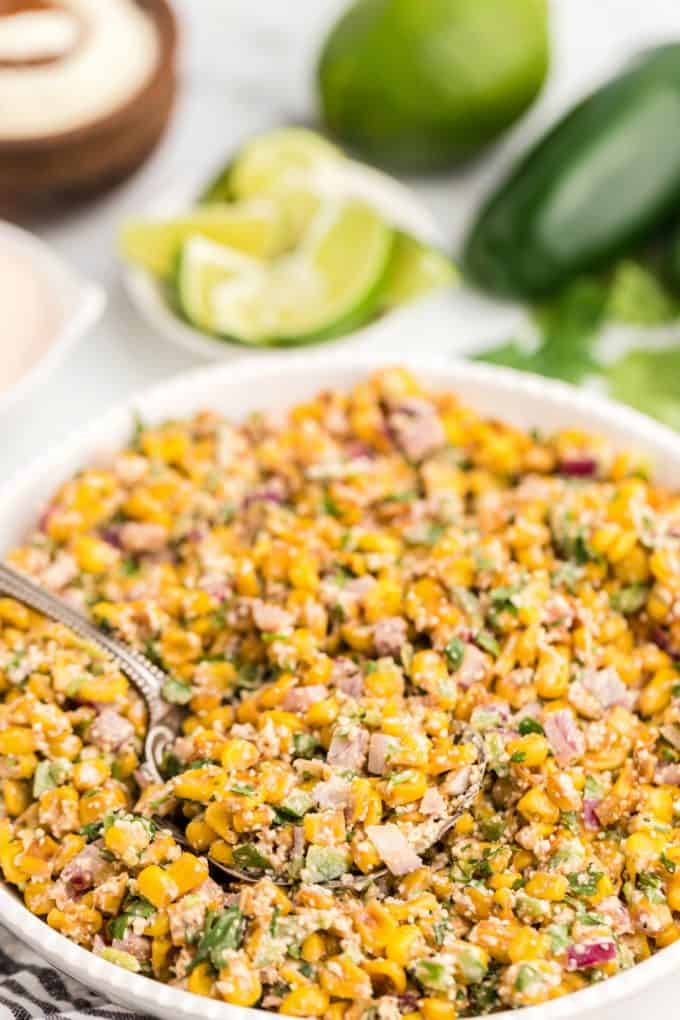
360, 605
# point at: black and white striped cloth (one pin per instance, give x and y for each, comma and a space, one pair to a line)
30, 989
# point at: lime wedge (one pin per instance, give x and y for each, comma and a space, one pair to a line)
270, 163
203, 267
256, 228
331, 284
416, 270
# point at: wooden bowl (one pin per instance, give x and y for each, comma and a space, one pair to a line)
37, 173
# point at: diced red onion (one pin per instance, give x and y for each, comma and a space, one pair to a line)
590, 954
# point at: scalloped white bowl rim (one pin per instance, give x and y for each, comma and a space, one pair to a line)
234, 389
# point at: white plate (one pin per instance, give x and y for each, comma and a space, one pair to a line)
79, 305
397, 203
269, 383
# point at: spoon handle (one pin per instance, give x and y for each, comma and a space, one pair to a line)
145, 675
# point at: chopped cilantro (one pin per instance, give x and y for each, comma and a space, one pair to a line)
247, 856
526, 977
243, 789
652, 886
223, 932
569, 820
503, 599
455, 653
631, 599
584, 883
305, 745
330, 507
92, 830
129, 566
559, 938
176, 691
488, 643
529, 725
668, 864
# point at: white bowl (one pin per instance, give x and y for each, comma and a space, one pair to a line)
79, 304
395, 201
236, 389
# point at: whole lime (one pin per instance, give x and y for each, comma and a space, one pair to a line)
423, 84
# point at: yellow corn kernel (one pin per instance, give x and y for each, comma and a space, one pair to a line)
341, 978
16, 740
641, 850
94, 804
673, 893
438, 1009
536, 805
304, 573
38, 897
280, 719
157, 925
364, 854
313, 948
17, 796
103, 689
93, 555
605, 888
37, 861
201, 979
527, 944
8, 857
239, 754
386, 681
657, 694
79, 923
464, 825
664, 566
495, 935
247, 582
239, 984
322, 713
90, 773
14, 613
307, 1000
188, 872
157, 886
402, 945
160, 950
417, 906
658, 801
200, 834
404, 787
336, 1011
199, 784
387, 977
504, 880
552, 675
531, 750
667, 936
70, 845
547, 885
324, 828
659, 603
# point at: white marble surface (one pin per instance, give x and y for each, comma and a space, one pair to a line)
248, 64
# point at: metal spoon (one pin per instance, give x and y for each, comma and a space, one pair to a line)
148, 679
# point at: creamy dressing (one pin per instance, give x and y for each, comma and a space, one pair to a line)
98, 55
37, 35
29, 314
